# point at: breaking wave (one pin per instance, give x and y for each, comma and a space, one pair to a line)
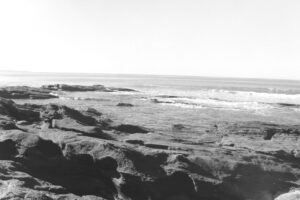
235, 100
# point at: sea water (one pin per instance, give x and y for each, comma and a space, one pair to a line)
162, 101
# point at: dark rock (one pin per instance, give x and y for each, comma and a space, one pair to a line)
106, 163
10, 109
116, 89
80, 159
168, 96
157, 146
178, 127
124, 105
127, 128
7, 149
159, 101
139, 142
94, 112
178, 185
73, 88
83, 88
53, 111
24, 92
269, 133
7, 125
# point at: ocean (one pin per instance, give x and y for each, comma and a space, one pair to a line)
163, 101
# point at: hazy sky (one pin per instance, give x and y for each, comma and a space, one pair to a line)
236, 38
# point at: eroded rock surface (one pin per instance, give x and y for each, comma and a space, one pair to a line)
58, 152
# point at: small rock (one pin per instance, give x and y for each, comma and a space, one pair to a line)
124, 105
178, 127
127, 128
139, 142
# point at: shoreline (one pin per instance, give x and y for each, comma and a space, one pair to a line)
101, 159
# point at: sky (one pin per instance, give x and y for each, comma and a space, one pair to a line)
226, 38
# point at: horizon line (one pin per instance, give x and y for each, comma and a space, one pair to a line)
139, 74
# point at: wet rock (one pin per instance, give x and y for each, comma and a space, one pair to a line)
84, 88
178, 127
156, 146
116, 89
73, 88
139, 142
93, 112
24, 92
127, 128
124, 105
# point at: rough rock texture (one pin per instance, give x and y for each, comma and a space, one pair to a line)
63, 153
24, 92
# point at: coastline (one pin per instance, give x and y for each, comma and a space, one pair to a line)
102, 159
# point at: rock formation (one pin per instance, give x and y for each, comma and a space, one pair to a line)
24, 92
57, 152
45, 92
83, 88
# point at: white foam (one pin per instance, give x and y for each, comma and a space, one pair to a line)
225, 99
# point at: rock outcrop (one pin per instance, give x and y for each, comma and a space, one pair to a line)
63, 153
50, 91
83, 88
24, 92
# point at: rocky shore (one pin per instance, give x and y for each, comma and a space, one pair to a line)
57, 152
